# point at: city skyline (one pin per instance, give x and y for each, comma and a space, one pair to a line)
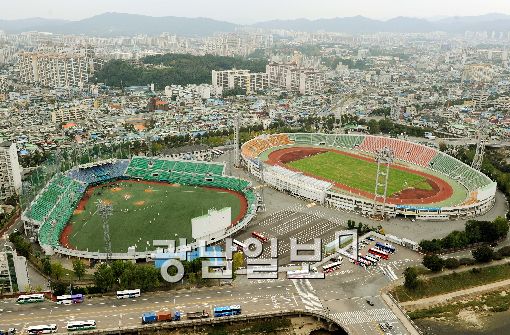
254, 12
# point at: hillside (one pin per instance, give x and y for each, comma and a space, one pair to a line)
168, 69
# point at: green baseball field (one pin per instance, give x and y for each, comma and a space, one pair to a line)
348, 170
143, 212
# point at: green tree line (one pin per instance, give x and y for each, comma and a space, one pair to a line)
168, 69
474, 232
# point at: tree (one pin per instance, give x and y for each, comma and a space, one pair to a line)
473, 231
451, 263
118, 268
433, 263
103, 278
237, 261
79, 268
46, 266
431, 246
501, 226
456, 239
351, 224
411, 280
57, 270
373, 127
505, 251
20, 244
483, 254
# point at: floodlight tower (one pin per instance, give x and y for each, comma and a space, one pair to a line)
105, 210
262, 185
384, 159
480, 146
237, 160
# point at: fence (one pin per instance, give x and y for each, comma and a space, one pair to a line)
147, 329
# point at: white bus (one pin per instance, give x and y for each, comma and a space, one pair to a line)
42, 329
25, 299
128, 294
371, 258
240, 245
70, 299
331, 266
81, 325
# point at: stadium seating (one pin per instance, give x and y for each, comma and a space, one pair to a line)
99, 173
185, 173
459, 171
407, 151
333, 140
54, 207
256, 146
347, 141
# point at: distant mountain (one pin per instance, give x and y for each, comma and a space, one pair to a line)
489, 22
118, 24
28, 24
360, 24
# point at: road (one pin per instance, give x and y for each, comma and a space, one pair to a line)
343, 295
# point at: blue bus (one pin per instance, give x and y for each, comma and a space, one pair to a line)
227, 310
385, 247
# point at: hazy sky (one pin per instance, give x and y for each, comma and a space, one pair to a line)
249, 11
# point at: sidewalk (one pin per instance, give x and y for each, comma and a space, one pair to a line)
400, 314
426, 302
467, 268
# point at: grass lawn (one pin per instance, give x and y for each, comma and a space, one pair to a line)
454, 282
493, 302
145, 212
356, 173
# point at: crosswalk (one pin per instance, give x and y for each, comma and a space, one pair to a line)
364, 316
307, 294
388, 271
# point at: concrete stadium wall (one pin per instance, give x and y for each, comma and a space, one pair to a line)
485, 196
31, 227
166, 326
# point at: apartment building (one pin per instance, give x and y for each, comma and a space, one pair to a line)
10, 171
294, 78
55, 69
480, 100
250, 82
13, 272
502, 103
68, 115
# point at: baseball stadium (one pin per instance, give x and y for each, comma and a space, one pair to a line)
142, 199
342, 171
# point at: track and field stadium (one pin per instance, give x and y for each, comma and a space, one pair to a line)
340, 171
151, 199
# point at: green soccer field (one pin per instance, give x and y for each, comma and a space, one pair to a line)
145, 212
356, 173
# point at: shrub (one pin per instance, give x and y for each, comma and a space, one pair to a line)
451, 263
483, 254
433, 262
466, 261
411, 281
505, 251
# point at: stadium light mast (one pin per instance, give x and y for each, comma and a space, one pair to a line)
236, 141
480, 146
262, 185
105, 210
384, 158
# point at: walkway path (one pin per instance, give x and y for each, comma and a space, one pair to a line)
427, 302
